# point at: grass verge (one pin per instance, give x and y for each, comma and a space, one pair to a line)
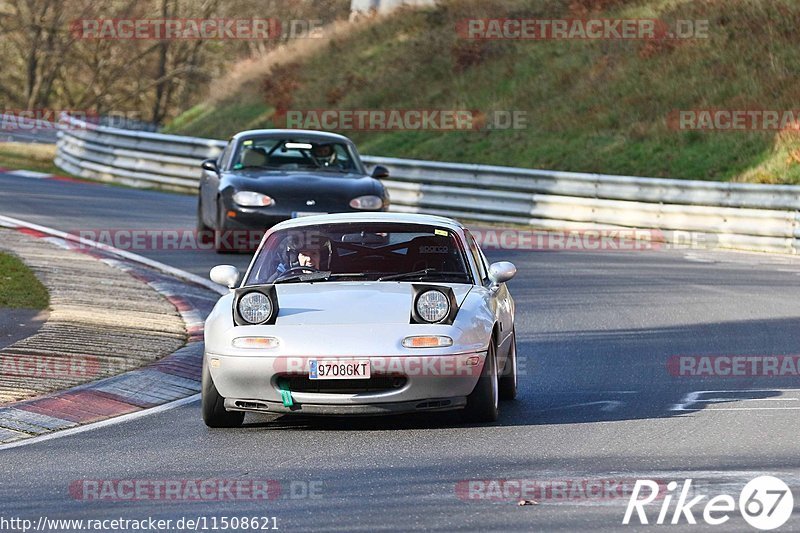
590, 105
19, 288
29, 156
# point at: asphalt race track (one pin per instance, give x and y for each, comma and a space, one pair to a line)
597, 402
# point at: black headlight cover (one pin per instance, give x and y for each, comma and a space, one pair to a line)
419, 290
268, 291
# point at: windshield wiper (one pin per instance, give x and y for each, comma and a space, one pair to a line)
317, 276
311, 276
334, 169
267, 167
428, 272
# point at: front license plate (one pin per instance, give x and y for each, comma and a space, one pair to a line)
299, 214
338, 369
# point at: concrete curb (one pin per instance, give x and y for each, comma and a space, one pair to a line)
172, 378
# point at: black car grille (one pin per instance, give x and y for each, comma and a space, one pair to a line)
342, 386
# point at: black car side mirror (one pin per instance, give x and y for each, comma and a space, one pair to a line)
380, 172
210, 164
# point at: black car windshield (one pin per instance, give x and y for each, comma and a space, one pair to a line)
293, 154
361, 252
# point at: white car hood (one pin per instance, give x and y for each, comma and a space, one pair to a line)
385, 302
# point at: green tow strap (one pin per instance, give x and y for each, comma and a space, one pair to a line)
286, 394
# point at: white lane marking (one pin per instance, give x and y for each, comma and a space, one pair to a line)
103, 423
751, 400
696, 397
696, 259
608, 405
596, 392
753, 409
161, 267
29, 174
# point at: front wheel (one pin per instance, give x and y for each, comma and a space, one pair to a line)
205, 234
201, 226
213, 406
222, 244
482, 403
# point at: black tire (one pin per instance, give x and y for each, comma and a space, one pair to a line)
205, 234
482, 403
201, 226
213, 406
220, 244
508, 377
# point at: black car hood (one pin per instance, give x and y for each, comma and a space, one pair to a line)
292, 183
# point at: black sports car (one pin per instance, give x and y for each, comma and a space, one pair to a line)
266, 176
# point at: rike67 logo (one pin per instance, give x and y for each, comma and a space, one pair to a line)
766, 503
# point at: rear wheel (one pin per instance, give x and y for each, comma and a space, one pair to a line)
213, 406
482, 403
508, 378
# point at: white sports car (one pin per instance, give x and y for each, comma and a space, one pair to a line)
361, 314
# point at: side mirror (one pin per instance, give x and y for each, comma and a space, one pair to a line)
225, 275
380, 172
210, 165
502, 271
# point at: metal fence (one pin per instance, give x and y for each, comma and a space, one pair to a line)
734, 215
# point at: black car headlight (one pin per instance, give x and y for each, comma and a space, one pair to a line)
433, 306
252, 199
367, 203
255, 305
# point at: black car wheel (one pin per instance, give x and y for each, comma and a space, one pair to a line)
204, 233
222, 243
508, 378
482, 403
213, 406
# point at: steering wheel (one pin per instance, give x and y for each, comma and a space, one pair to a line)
301, 269
297, 270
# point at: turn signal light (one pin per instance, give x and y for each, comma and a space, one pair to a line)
427, 341
255, 342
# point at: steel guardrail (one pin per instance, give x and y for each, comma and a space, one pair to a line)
738, 215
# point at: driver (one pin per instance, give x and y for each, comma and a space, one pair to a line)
309, 256
313, 253
324, 154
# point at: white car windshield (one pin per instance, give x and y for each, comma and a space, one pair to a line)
359, 252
